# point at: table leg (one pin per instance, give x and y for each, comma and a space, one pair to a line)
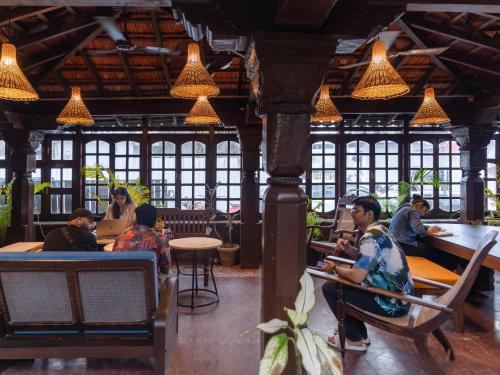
193, 278
213, 277
205, 269
341, 317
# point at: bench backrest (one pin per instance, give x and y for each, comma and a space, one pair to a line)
77, 292
185, 223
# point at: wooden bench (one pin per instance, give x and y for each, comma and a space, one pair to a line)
86, 304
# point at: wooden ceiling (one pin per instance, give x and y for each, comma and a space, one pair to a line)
56, 47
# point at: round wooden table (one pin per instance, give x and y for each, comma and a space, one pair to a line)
196, 245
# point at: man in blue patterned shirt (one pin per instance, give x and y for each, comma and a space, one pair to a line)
380, 263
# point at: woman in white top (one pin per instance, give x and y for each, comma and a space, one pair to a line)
123, 207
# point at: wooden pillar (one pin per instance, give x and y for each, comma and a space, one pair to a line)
291, 69
21, 141
473, 141
250, 137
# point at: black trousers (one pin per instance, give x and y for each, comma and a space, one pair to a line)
420, 250
355, 328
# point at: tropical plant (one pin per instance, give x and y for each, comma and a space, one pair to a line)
211, 199
312, 217
140, 194
494, 216
311, 350
422, 177
229, 217
6, 205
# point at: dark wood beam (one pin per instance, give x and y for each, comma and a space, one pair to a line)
453, 6
467, 37
21, 13
80, 43
241, 73
472, 63
457, 17
420, 44
352, 75
423, 80
487, 15
93, 72
218, 62
162, 58
289, 12
54, 32
128, 72
46, 57
92, 3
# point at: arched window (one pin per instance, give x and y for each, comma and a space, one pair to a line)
386, 169
61, 177
96, 153
450, 174
127, 161
491, 173
358, 168
228, 175
323, 175
163, 174
193, 175
422, 157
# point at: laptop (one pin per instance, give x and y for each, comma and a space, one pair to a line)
110, 228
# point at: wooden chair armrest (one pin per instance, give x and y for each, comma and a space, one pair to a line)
437, 284
342, 231
340, 260
168, 295
320, 226
383, 292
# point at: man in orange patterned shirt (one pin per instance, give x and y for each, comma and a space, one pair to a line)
142, 237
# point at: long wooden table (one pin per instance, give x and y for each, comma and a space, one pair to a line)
20, 247
465, 241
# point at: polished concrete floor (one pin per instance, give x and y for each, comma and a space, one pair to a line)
221, 340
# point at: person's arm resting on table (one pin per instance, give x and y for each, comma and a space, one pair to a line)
355, 275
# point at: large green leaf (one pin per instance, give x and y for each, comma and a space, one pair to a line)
330, 360
275, 355
272, 326
308, 351
305, 299
298, 319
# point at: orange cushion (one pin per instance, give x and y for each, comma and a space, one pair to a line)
426, 269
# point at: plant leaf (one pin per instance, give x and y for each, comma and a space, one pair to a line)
305, 299
275, 356
298, 319
272, 326
330, 360
308, 351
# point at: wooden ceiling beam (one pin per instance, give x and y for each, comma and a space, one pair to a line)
469, 63
54, 32
470, 38
350, 78
80, 43
161, 58
423, 80
420, 44
452, 6
93, 72
128, 72
21, 13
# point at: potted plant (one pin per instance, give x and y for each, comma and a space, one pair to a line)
229, 250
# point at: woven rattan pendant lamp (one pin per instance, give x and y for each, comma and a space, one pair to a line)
381, 80
202, 113
194, 80
325, 109
13, 83
75, 112
430, 112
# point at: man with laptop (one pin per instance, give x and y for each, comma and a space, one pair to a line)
110, 229
76, 236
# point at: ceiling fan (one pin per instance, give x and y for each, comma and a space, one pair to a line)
123, 43
389, 37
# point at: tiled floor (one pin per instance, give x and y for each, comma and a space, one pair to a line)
221, 340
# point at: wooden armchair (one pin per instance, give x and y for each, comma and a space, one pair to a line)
424, 317
342, 227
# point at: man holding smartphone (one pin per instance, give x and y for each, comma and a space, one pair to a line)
380, 263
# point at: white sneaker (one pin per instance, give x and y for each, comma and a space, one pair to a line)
334, 343
366, 341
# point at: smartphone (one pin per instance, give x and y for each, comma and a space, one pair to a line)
320, 264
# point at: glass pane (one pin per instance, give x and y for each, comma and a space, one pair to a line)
415, 161
199, 161
364, 148
222, 191
222, 148
316, 191
121, 148
121, 176
55, 207
234, 162
104, 161
121, 163
490, 151
55, 177
67, 177
329, 191
380, 161
186, 191
133, 163
169, 148
455, 161
380, 175
317, 148
67, 204
37, 204
329, 161
36, 176
56, 150
186, 177
38, 152
199, 177
317, 162
444, 148
91, 147
427, 161
90, 160
234, 177
103, 147
317, 176
351, 161
199, 148
392, 175
364, 176
68, 150
329, 148
380, 147
392, 161
169, 162
352, 147
156, 162
133, 176
427, 148
2, 150
328, 205
134, 148
221, 177
169, 177
187, 162
415, 147
444, 161
329, 175
364, 161
157, 148
444, 204
234, 191
392, 147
